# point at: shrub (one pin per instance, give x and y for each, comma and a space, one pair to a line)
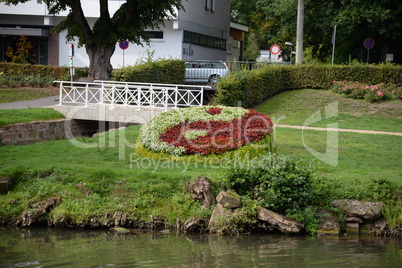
279, 183
13, 74
252, 87
161, 71
373, 93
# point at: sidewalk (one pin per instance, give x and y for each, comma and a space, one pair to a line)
38, 103
361, 131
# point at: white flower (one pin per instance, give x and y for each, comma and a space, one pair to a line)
151, 131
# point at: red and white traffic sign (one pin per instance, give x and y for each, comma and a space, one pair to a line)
369, 43
275, 49
123, 44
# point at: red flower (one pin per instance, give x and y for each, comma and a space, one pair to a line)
214, 110
222, 136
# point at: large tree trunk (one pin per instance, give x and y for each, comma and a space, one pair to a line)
99, 61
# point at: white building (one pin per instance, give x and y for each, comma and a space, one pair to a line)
202, 31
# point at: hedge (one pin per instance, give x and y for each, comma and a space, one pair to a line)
252, 87
15, 69
162, 71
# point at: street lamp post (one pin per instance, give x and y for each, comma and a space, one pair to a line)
299, 34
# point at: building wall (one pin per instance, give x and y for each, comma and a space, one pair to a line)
214, 22
203, 53
206, 17
53, 50
168, 47
90, 7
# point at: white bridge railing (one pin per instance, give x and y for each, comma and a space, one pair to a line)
128, 93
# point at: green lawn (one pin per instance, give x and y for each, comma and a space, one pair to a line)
26, 93
362, 157
112, 153
12, 116
309, 107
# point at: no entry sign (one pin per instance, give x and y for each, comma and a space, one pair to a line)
275, 49
123, 44
369, 43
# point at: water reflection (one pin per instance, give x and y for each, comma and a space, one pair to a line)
103, 248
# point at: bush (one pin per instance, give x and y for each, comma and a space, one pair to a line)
252, 87
161, 71
16, 75
11, 69
371, 93
22, 80
279, 183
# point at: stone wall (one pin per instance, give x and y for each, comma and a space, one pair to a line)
27, 133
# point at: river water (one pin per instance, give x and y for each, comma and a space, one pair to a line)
46, 247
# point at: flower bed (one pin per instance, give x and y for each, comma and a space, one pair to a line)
204, 130
357, 90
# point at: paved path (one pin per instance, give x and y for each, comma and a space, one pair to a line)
38, 103
53, 100
343, 130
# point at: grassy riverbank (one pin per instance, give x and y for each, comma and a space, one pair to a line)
95, 177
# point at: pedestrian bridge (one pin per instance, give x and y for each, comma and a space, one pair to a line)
124, 102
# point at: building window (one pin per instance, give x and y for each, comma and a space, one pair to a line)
210, 5
204, 40
154, 34
236, 44
228, 49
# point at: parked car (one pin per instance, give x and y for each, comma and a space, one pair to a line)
205, 71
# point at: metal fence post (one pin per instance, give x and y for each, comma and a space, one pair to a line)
176, 92
61, 93
86, 94
202, 97
101, 93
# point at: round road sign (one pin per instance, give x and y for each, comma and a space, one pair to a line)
275, 49
369, 43
123, 44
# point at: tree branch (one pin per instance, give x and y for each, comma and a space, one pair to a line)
79, 18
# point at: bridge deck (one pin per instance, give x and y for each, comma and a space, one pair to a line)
105, 112
124, 101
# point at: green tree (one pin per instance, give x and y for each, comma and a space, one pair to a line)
242, 10
275, 22
127, 23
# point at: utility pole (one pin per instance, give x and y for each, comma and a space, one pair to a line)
299, 34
